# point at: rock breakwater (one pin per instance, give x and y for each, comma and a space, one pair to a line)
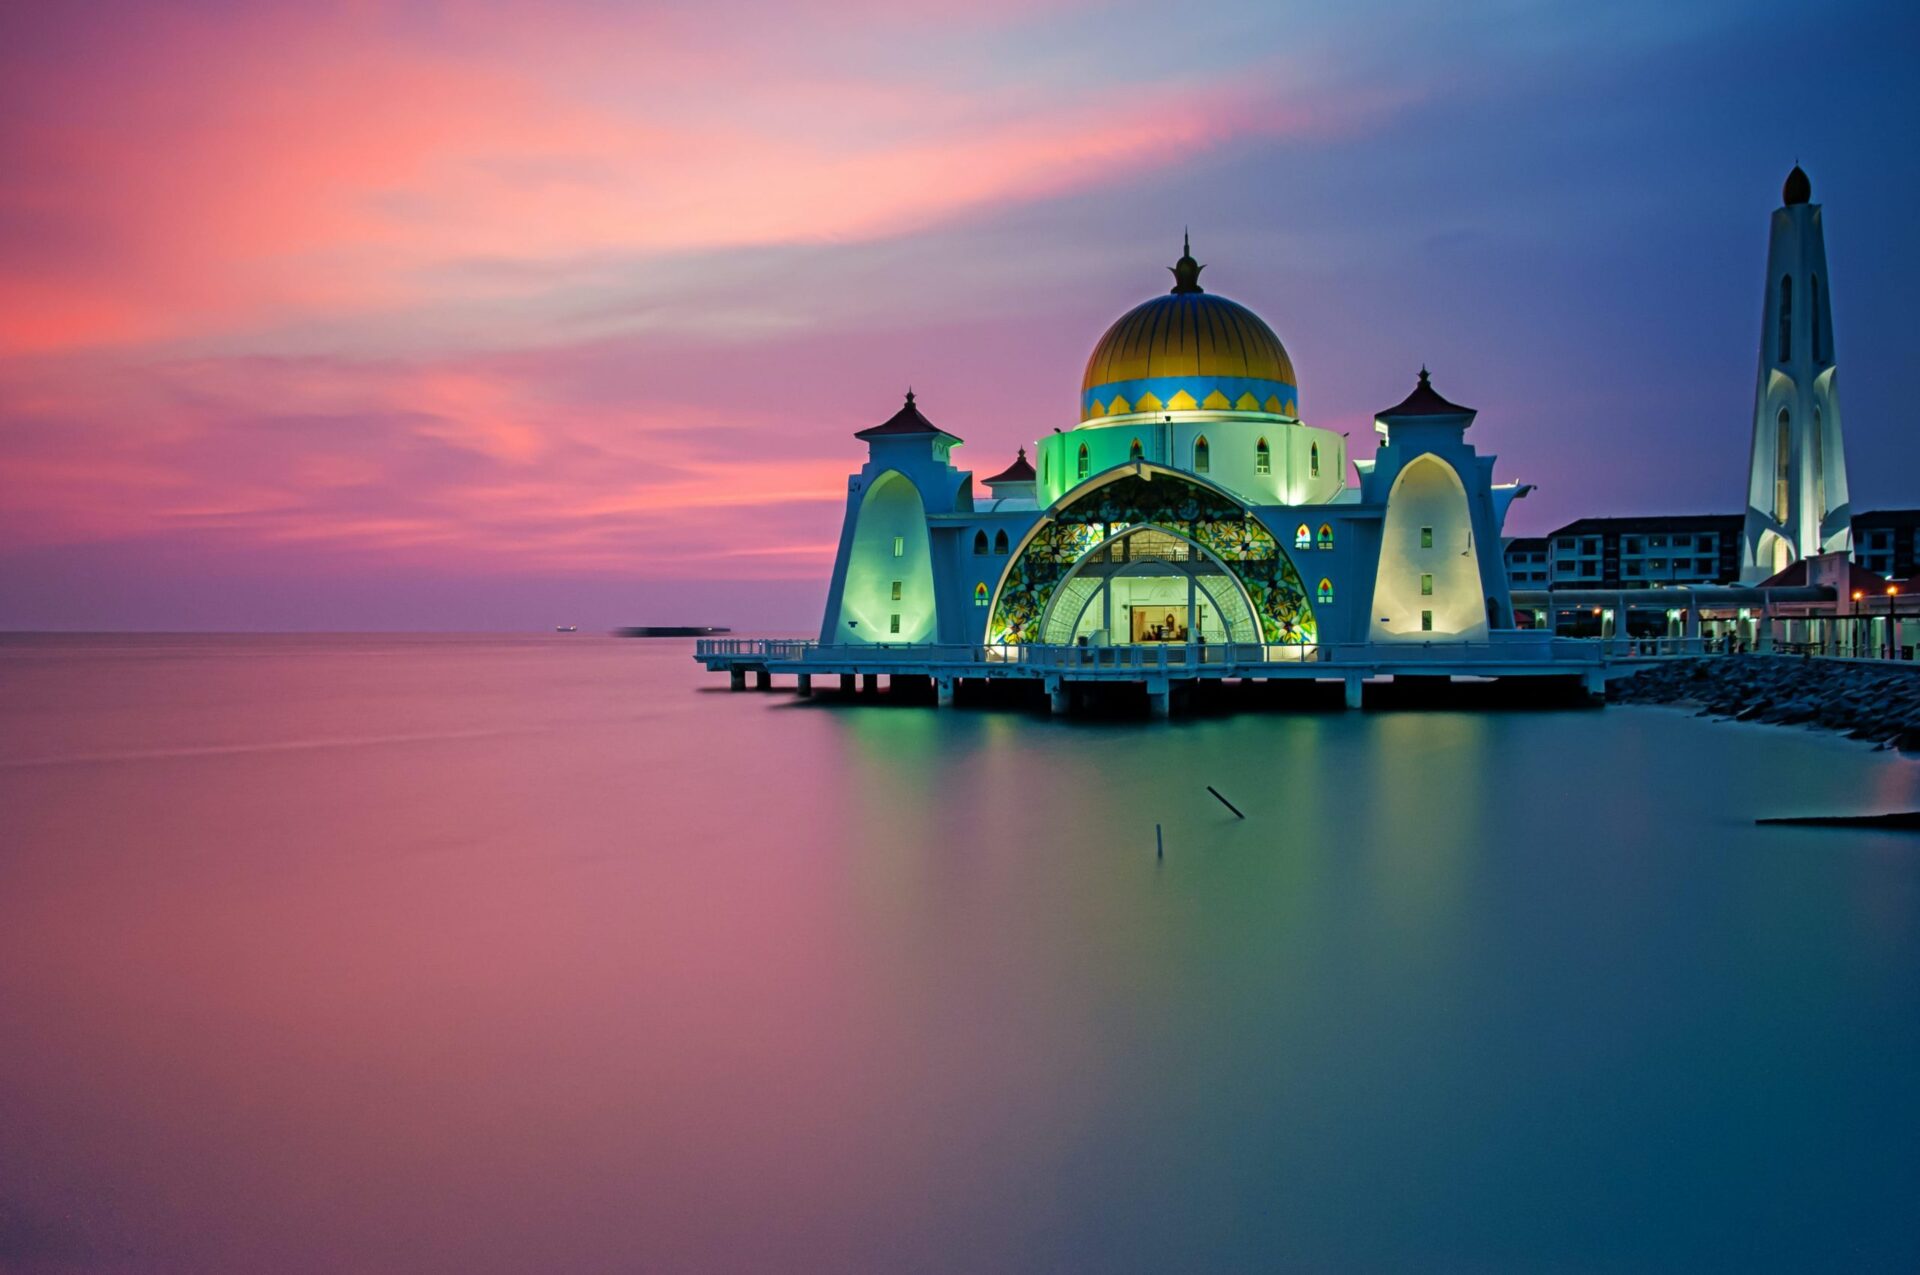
1879, 702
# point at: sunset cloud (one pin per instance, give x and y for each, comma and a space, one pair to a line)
589, 290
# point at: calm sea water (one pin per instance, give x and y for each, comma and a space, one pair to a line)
549, 954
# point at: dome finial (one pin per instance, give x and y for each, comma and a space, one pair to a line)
1799, 187
1186, 271
909, 396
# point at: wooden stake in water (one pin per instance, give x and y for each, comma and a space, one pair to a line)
1223, 801
1159, 846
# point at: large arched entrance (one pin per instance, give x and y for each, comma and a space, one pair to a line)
1427, 584
887, 594
1143, 537
1149, 585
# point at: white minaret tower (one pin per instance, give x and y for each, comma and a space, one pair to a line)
1797, 484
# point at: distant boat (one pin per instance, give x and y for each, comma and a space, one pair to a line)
566, 628
671, 630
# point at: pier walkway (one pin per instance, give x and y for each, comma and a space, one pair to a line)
1159, 668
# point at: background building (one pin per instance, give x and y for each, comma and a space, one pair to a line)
1887, 542
1644, 553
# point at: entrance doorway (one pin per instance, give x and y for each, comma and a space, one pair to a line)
1148, 585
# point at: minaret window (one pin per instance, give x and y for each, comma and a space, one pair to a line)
1326, 591
1202, 456
980, 594
980, 544
1813, 315
1326, 536
1133, 452
1084, 465
1000, 542
1786, 318
1313, 461
1819, 466
896, 590
1303, 537
1782, 467
1262, 458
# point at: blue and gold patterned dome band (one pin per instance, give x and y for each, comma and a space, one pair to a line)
1188, 350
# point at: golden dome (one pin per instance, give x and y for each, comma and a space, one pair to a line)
1188, 350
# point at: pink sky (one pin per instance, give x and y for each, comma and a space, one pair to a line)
309, 312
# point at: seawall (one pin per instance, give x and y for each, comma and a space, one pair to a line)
1875, 701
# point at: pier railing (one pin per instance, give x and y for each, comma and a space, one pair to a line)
1494, 649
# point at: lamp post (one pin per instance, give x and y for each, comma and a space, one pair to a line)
1858, 595
1893, 593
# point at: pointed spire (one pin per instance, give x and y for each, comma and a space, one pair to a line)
1186, 271
909, 396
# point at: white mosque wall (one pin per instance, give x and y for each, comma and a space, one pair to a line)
1428, 589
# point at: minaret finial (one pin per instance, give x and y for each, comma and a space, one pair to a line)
1799, 189
909, 396
1186, 271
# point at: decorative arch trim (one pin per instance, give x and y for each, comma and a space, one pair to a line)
1106, 505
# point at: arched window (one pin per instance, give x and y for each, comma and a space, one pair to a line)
1326, 535
1084, 467
1133, 452
1813, 313
1326, 590
1819, 468
1313, 461
980, 594
1202, 456
1786, 318
1303, 537
980, 543
1000, 542
1262, 458
1782, 467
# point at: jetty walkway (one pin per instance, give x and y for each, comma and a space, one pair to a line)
1162, 668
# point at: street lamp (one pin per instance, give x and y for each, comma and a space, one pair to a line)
1893, 625
1858, 595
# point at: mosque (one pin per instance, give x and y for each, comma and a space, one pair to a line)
1191, 504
